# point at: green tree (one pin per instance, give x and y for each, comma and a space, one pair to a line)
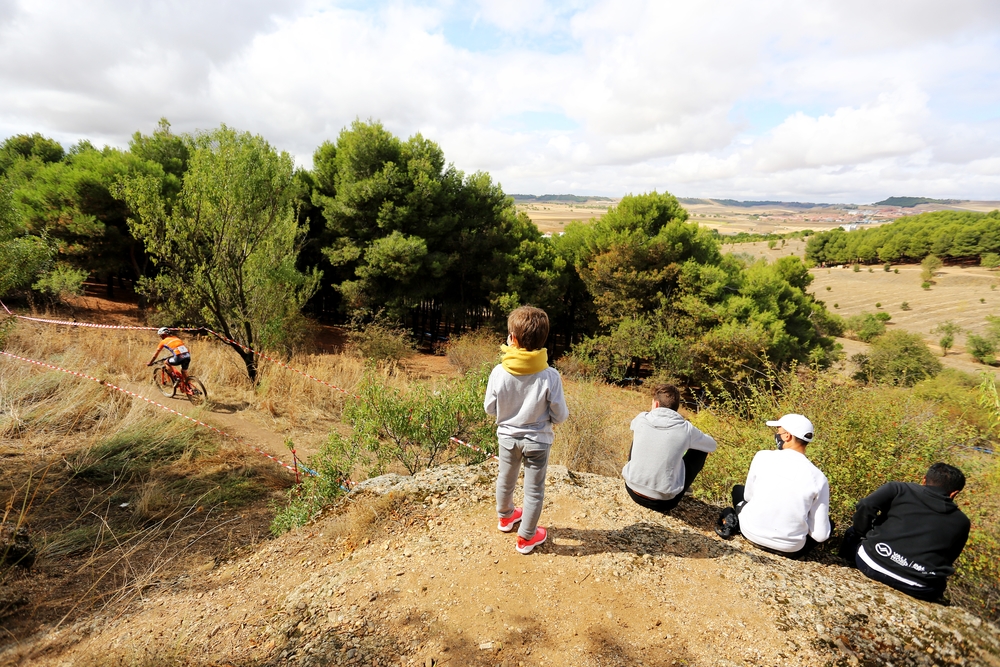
404, 227
23, 258
75, 204
930, 265
226, 249
897, 357
949, 330
27, 147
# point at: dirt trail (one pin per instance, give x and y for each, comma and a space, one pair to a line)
426, 579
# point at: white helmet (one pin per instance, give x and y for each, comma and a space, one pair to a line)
162, 331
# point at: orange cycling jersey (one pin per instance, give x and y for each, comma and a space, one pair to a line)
175, 345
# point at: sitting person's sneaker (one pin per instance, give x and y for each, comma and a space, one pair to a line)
507, 525
729, 523
525, 546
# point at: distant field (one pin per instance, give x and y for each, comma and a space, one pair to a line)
552, 217
962, 295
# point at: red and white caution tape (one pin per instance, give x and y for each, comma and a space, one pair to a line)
159, 405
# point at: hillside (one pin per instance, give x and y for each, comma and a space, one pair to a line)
411, 571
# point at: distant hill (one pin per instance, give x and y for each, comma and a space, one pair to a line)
575, 199
910, 202
748, 204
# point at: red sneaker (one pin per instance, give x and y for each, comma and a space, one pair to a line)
525, 546
507, 525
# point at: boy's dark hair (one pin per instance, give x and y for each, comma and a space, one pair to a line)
530, 326
945, 477
667, 396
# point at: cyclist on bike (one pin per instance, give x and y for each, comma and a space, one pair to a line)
180, 355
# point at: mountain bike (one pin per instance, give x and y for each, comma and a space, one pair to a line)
169, 382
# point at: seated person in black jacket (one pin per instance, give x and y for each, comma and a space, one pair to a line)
907, 536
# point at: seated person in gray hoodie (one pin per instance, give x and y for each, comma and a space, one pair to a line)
667, 453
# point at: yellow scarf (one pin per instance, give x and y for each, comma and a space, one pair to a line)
522, 362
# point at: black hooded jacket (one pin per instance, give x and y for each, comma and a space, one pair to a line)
914, 531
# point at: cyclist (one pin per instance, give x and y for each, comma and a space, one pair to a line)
180, 355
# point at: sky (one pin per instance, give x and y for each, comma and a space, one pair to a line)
824, 101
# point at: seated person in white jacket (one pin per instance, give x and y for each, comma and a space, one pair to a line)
667, 452
785, 504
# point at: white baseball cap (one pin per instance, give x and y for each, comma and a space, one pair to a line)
797, 425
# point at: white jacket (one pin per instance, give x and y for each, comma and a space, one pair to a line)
787, 498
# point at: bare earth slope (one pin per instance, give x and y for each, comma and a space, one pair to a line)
422, 577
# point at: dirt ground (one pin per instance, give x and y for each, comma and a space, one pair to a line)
422, 577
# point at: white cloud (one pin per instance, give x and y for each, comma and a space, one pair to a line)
877, 99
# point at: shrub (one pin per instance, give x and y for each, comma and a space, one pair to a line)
474, 349
856, 268
981, 348
61, 282
905, 306
381, 342
930, 265
990, 260
828, 288
865, 326
925, 285
898, 357
871, 270
836, 305
883, 316
878, 304
895, 270
414, 427
887, 267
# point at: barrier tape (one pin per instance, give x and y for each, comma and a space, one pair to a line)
231, 342
160, 405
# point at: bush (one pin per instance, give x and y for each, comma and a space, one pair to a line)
887, 267
925, 285
381, 342
856, 268
878, 304
930, 265
883, 316
905, 306
865, 326
62, 282
898, 358
474, 349
982, 349
990, 260
895, 270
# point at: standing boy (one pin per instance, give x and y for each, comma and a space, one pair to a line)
667, 453
526, 397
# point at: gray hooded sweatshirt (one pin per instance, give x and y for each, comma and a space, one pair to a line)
662, 436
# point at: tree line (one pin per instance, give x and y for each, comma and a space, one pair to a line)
961, 235
220, 228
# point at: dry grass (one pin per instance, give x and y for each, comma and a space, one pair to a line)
596, 438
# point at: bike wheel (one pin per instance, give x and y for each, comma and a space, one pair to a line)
164, 383
196, 391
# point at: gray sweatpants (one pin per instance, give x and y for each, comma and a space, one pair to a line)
536, 463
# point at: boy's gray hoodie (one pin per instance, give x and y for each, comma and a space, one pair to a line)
655, 468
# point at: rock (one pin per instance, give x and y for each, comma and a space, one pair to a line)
15, 545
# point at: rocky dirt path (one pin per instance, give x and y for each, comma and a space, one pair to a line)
412, 571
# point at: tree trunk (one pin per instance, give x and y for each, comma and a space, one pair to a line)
249, 359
